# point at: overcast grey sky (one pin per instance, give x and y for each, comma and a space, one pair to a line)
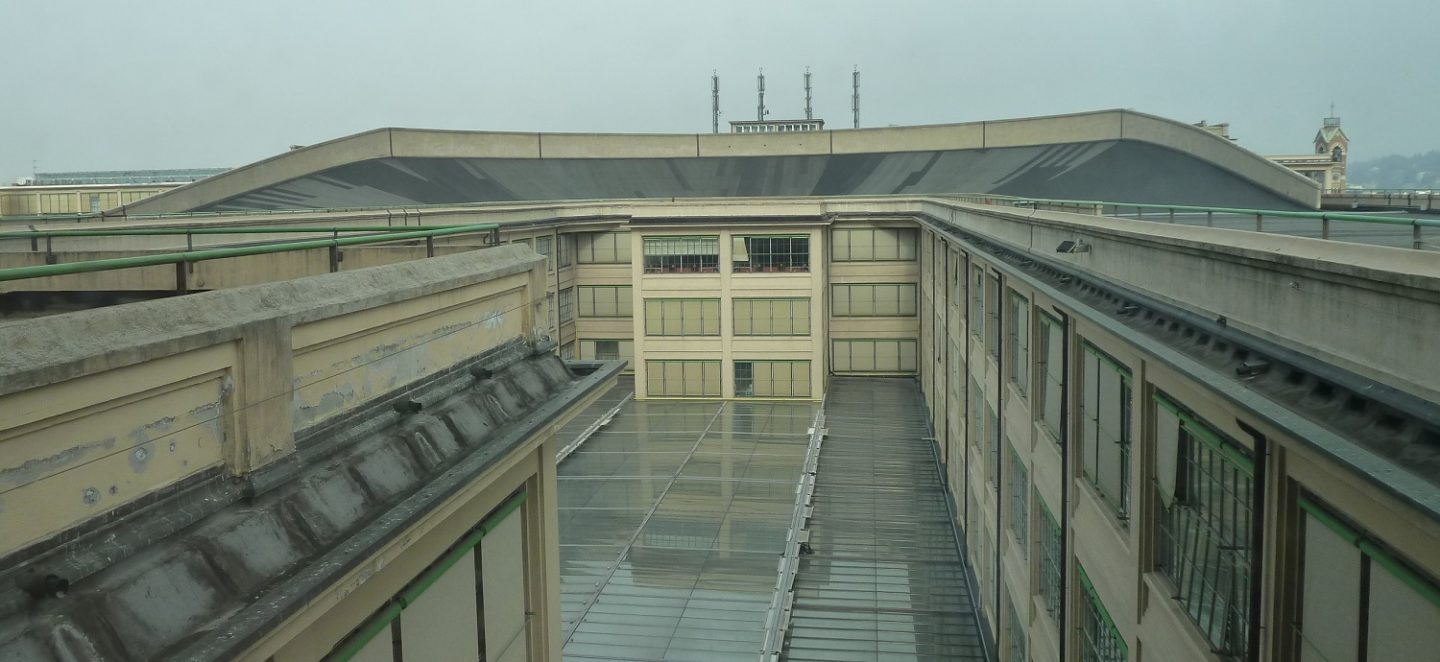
180, 83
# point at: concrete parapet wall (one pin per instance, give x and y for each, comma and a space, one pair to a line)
103, 407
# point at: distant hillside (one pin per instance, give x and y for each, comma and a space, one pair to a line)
1418, 171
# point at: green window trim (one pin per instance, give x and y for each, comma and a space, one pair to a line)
1099, 606
1107, 360
417, 587
1378, 554
1235, 453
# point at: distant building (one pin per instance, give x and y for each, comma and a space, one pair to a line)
91, 191
1222, 129
776, 126
1327, 164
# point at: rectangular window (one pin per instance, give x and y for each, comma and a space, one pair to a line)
1050, 540
607, 350
1052, 373
1014, 632
772, 317
682, 317
1203, 485
567, 304
977, 414
992, 316
94, 202
565, 246
1019, 502
772, 379
883, 356
567, 351
602, 248
1017, 339
770, 254
1357, 597
873, 300
1105, 429
682, 255
1100, 640
544, 246
872, 244
694, 379
977, 302
992, 446
605, 301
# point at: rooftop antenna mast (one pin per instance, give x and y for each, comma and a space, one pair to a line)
855, 95
809, 115
760, 111
714, 101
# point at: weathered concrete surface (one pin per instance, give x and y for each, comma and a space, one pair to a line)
214, 589
105, 407
1115, 154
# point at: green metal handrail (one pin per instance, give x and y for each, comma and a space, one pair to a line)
1416, 224
176, 231
182, 258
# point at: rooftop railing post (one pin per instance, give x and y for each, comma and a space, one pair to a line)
430, 247
49, 251
181, 281
1259, 222
1172, 214
1415, 241
189, 246
1209, 219
1325, 227
334, 257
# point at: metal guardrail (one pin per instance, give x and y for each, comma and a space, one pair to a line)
181, 259
1098, 207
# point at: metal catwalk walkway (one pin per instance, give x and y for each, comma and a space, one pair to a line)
672, 518
885, 580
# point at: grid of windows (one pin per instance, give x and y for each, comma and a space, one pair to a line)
770, 254
1017, 324
1014, 632
1358, 599
607, 350
992, 315
567, 351
602, 248
682, 255
772, 317
992, 446
605, 301
696, 379
565, 246
545, 246
1019, 502
977, 302
1105, 429
887, 356
1052, 373
567, 304
772, 379
872, 244
977, 414
1203, 486
873, 300
1100, 640
682, 317
1049, 543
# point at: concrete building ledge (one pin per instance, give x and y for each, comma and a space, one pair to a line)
52, 349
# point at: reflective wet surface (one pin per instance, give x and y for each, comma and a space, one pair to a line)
672, 520
886, 580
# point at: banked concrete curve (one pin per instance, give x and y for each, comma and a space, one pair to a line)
1115, 155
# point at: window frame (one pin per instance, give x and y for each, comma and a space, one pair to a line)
769, 240
680, 254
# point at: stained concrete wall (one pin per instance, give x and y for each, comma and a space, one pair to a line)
222, 381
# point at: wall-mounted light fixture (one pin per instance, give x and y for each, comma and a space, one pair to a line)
1077, 246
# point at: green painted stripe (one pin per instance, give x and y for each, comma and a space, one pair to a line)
1105, 359
410, 594
1229, 450
176, 231
1324, 517
1402, 573
1094, 598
